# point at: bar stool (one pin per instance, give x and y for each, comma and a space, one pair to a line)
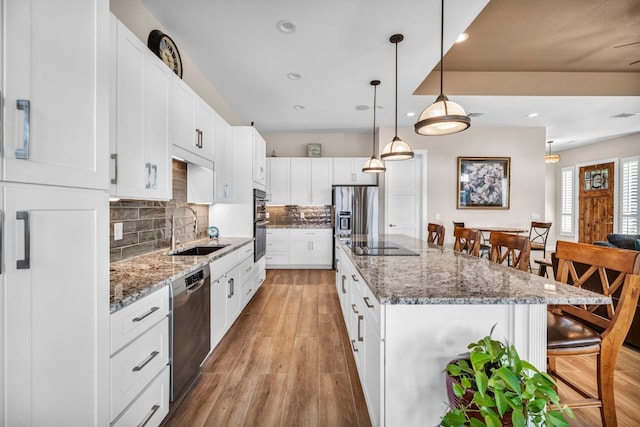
467, 240
436, 234
594, 330
538, 234
513, 249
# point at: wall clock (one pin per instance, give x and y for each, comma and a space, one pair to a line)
165, 48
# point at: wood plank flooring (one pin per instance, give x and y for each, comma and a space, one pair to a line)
286, 361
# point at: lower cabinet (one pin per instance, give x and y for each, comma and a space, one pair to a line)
300, 248
277, 254
362, 316
140, 361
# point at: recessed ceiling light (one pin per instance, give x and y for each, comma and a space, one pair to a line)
411, 114
298, 107
462, 38
530, 115
294, 76
362, 107
286, 26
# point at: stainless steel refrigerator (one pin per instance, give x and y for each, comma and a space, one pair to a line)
355, 210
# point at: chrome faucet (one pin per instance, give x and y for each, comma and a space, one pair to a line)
174, 228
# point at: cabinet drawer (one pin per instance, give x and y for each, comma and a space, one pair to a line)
220, 266
133, 368
277, 259
245, 251
278, 245
151, 406
133, 320
277, 234
246, 270
371, 306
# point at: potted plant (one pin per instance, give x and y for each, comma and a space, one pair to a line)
492, 386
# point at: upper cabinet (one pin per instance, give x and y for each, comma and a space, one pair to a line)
193, 125
311, 181
223, 158
348, 171
279, 175
248, 163
259, 148
141, 118
55, 122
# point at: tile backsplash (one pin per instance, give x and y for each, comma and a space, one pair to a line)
147, 224
299, 216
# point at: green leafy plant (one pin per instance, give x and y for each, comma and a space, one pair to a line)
495, 387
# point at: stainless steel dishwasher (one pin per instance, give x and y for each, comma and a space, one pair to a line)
190, 327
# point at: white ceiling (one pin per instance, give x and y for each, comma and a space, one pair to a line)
339, 47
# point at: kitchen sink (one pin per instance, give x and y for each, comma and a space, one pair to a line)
197, 250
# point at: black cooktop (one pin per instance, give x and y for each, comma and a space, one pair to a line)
381, 249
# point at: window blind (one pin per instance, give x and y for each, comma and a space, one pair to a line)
567, 202
629, 196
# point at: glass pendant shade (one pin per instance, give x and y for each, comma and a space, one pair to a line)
397, 149
373, 165
551, 158
443, 117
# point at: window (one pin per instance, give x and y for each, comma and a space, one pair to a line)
629, 196
566, 222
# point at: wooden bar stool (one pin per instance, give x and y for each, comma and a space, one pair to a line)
513, 249
538, 234
467, 240
436, 234
598, 329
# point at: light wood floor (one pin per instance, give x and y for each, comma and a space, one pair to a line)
283, 362
286, 362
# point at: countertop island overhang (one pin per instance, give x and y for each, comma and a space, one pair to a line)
431, 306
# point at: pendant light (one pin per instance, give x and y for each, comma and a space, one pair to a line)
443, 117
397, 149
374, 165
551, 158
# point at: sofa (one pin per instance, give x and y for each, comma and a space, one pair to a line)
623, 241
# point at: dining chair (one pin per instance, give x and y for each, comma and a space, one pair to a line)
513, 249
457, 224
538, 234
467, 240
484, 248
436, 234
594, 329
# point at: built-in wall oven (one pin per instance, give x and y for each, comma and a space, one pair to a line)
260, 222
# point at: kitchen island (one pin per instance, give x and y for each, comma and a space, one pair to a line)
408, 315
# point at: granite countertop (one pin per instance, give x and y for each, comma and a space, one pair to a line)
441, 276
134, 278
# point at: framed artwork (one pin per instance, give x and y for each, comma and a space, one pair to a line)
314, 150
483, 182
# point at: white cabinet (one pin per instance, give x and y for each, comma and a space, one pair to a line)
200, 183
311, 181
259, 148
279, 173
140, 142
56, 318
193, 125
348, 171
55, 110
277, 254
311, 247
223, 158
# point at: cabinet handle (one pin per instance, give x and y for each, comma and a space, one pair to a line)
366, 301
353, 345
145, 315
146, 361
392, 225
148, 166
355, 279
1, 238
197, 138
353, 307
24, 264
249, 291
25, 105
225, 192
155, 176
344, 291
360, 338
150, 415
114, 157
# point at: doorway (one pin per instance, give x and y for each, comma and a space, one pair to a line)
403, 200
595, 202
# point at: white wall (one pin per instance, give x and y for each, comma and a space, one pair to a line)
141, 22
334, 144
616, 148
525, 146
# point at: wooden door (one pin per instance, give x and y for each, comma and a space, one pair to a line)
596, 187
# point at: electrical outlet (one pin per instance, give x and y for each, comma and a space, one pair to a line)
301, 215
117, 231
437, 217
